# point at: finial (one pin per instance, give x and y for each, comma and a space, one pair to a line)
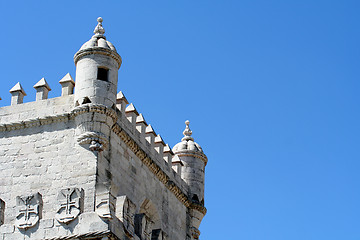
99, 30
187, 132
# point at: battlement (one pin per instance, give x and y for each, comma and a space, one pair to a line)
130, 126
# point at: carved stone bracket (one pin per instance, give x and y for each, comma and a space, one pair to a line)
70, 201
29, 210
97, 140
195, 233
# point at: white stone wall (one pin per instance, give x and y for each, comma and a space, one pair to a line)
46, 158
132, 178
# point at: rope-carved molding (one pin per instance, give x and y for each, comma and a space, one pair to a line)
89, 235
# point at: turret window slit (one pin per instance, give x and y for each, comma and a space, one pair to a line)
103, 74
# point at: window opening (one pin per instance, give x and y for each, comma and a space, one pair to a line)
102, 74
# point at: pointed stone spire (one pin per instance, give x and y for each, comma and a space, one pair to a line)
187, 132
99, 30
121, 101
18, 94
42, 89
67, 85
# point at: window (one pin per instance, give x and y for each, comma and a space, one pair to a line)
102, 74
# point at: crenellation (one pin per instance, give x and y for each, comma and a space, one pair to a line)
141, 127
121, 101
42, 89
168, 155
159, 145
131, 114
18, 94
150, 137
67, 85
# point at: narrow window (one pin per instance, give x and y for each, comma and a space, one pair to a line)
102, 74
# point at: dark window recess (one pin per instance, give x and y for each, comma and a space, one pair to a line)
195, 198
102, 74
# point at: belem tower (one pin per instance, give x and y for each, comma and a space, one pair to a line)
86, 165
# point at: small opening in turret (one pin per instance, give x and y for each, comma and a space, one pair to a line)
195, 198
102, 74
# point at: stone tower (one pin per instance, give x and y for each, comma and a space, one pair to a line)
88, 166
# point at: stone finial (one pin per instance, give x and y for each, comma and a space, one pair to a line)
121, 101
18, 94
131, 114
42, 89
67, 85
99, 30
187, 132
159, 144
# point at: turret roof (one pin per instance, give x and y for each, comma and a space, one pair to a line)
187, 142
98, 39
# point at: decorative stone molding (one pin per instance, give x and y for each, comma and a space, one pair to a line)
35, 122
29, 210
99, 108
89, 235
98, 50
125, 212
186, 153
70, 201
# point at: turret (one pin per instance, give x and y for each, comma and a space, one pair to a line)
192, 162
97, 64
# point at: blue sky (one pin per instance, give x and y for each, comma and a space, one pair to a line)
271, 89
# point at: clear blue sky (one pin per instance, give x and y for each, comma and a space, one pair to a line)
271, 89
